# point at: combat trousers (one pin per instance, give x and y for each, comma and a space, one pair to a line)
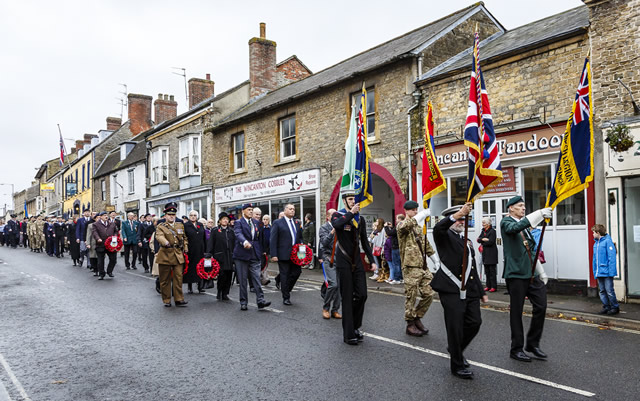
166, 280
416, 290
462, 320
519, 288
289, 274
112, 262
353, 289
249, 270
332, 295
127, 249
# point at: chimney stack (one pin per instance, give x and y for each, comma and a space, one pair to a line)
113, 123
199, 90
139, 113
79, 144
164, 108
262, 64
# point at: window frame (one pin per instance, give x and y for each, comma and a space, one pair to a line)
235, 152
281, 140
371, 136
157, 166
191, 157
131, 179
103, 189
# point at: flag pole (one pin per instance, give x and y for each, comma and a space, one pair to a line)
465, 254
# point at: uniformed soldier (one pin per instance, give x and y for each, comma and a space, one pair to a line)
461, 308
414, 250
173, 243
519, 250
353, 286
31, 234
39, 232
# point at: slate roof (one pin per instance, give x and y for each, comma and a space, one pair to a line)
368, 60
538, 33
112, 162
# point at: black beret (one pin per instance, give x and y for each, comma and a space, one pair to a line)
410, 204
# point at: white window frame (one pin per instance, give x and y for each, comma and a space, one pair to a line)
131, 181
371, 94
103, 189
189, 159
287, 120
158, 168
236, 152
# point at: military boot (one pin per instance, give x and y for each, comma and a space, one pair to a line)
420, 326
412, 330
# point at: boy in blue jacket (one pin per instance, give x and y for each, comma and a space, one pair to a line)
604, 269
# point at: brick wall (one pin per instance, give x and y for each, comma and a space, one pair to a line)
199, 90
291, 70
262, 64
139, 113
165, 108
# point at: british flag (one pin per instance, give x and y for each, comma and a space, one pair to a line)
582, 99
485, 170
63, 151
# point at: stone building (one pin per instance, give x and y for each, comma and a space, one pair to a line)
287, 145
179, 151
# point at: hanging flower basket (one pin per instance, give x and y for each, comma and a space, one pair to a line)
619, 138
301, 254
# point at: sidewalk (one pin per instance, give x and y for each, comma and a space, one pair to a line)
566, 307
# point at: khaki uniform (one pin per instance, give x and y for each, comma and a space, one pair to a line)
414, 269
31, 234
39, 234
171, 259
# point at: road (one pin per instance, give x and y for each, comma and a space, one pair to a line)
64, 335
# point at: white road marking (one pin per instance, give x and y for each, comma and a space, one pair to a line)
14, 379
485, 366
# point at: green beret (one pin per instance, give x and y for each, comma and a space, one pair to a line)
410, 204
514, 200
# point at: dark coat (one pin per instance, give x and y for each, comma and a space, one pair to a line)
393, 234
74, 247
59, 229
81, 227
517, 263
145, 231
265, 238
130, 232
349, 235
220, 246
281, 241
489, 248
243, 233
451, 248
102, 232
197, 244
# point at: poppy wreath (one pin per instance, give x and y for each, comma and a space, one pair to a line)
307, 258
109, 247
186, 263
205, 275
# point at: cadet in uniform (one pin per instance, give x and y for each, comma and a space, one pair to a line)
519, 250
39, 233
353, 286
417, 277
173, 243
31, 225
461, 308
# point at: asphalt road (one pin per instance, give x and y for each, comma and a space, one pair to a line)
64, 335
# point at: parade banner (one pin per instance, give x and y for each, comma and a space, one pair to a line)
485, 170
432, 180
575, 163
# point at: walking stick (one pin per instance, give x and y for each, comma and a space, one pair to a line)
535, 260
465, 255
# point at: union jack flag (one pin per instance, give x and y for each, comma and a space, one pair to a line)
582, 99
63, 151
485, 170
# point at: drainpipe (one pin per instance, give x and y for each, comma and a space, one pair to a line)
416, 97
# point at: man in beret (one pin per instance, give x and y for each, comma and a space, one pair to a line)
462, 317
519, 253
414, 250
173, 245
247, 253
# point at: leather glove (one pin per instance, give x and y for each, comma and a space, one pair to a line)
436, 263
541, 273
420, 217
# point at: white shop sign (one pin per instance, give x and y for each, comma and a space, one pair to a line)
281, 185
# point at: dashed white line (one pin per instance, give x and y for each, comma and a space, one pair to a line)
14, 379
488, 367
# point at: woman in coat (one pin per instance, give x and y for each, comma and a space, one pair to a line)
196, 237
221, 243
74, 247
487, 239
91, 246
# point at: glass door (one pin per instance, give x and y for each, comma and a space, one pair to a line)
632, 234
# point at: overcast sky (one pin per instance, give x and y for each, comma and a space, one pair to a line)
63, 61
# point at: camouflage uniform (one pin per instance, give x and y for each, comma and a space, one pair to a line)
31, 225
414, 269
38, 241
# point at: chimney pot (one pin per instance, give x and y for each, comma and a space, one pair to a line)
263, 30
208, 77
113, 123
165, 108
171, 98
139, 112
159, 95
262, 64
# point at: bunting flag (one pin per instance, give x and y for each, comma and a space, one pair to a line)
575, 163
432, 180
63, 151
485, 170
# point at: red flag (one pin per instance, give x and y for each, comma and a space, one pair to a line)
432, 180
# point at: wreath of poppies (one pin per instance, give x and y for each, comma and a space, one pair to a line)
208, 275
307, 258
109, 247
186, 263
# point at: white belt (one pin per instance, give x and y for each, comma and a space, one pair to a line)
456, 281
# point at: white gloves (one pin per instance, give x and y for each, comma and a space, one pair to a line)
420, 217
541, 273
436, 263
536, 217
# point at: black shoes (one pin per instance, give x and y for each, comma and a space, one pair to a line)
286, 302
243, 307
128, 268
359, 336
537, 352
224, 297
167, 305
520, 356
181, 303
603, 311
351, 341
201, 290
463, 374
101, 278
110, 275
134, 268
263, 305
613, 311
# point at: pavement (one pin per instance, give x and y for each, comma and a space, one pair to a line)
577, 308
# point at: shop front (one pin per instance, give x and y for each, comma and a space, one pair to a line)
198, 199
529, 161
271, 195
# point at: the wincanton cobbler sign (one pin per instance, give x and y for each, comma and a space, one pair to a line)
280, 185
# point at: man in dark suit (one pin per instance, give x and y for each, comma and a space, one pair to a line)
13, 231
285, 233
247, 254
48, 236
59, 232
81, 233
103, 229
461, 308
145, 231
